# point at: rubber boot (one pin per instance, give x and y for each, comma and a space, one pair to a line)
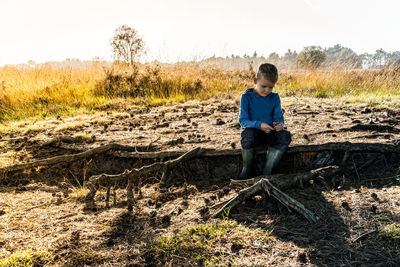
273, 157
248, 157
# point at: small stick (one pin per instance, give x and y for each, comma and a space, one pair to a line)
363, 235
355, 168
129, 195
108, 196
115, 194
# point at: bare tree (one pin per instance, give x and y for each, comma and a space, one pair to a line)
126, 44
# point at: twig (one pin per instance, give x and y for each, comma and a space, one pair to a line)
219, 204
355, 168
363, 235
151, 142
179, 257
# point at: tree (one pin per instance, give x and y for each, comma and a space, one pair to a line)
289, 58
339, 55
379, 58
126, 44
393, 60
273, 57
311, 57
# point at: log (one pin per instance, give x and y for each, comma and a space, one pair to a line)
282, 181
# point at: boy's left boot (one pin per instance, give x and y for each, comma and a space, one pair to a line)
273, 157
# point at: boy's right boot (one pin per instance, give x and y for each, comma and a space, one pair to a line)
248, 157
272, 159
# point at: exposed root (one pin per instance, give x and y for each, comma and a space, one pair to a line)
65, 158
263, 184
128, 175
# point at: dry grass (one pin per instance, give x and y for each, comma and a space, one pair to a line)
44, 90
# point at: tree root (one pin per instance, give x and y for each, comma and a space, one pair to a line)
120, 150
65, 158
263, 184
129, 175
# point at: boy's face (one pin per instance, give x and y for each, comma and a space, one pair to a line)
263, 86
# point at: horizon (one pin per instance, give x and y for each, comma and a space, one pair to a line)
176, 31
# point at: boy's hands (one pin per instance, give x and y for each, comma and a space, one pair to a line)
266, 127
278, 126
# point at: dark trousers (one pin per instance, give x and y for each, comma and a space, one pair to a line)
252, 137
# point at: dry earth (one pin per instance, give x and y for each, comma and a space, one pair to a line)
360, 223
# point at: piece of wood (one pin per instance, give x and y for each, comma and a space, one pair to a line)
108, 197
129, 195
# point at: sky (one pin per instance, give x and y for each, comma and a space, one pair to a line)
177, 30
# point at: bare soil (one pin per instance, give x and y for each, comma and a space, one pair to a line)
359, 223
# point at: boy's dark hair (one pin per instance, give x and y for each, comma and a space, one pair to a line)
268, 71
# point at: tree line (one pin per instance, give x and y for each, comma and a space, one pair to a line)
312, 57
127, 46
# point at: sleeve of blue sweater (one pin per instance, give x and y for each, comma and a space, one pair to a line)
244, 119
278, 113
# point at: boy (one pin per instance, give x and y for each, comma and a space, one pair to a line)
261, 119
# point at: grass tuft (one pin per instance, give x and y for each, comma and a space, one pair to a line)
391, 230
209, 243
26, 258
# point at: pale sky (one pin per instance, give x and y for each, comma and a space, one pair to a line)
46, 30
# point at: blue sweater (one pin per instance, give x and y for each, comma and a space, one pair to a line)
255, 109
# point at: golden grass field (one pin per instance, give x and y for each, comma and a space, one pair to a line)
45, 90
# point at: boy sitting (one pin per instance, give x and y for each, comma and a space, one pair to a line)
261, 119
